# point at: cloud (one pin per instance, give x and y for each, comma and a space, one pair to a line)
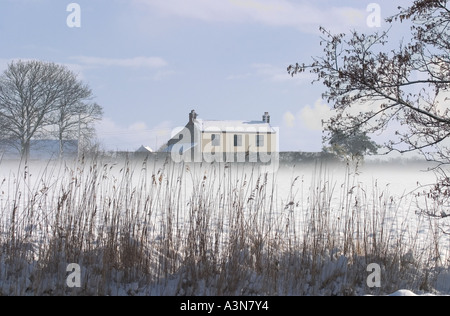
289, 119
309, 117
136, 62
75, 68
312, 117
302, 129
272, 73
304, 15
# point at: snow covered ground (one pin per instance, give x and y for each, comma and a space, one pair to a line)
306, 229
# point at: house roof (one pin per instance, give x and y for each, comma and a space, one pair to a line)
233, 126
144, 149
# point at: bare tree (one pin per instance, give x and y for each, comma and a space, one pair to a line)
372, 87
74, 116
79, 125
31, 92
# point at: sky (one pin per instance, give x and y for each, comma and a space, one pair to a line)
150, 62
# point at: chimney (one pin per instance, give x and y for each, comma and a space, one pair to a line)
266, 117
192, 116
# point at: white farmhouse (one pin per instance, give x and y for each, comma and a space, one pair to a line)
224, 140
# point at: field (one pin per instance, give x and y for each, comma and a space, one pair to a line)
144, 227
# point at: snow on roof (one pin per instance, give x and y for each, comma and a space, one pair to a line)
144, 149
239, 126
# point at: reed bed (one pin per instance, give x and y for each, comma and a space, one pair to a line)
139, 227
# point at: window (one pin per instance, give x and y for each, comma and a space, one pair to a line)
215, 139
237, 140
259, 140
